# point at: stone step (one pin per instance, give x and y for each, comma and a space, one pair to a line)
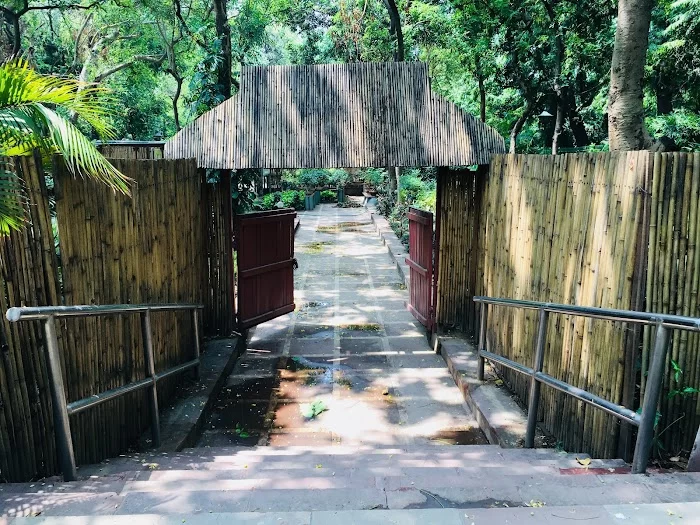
475, 492
486, 459
317, 476
606, 515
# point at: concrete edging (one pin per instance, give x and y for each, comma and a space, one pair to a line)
182, 423
502, 420
397, 251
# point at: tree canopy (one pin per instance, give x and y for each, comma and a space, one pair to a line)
536, 70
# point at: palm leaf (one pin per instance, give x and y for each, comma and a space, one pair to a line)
13, 202
32, 108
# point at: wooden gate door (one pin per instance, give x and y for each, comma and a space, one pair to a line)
266, 263
420, 262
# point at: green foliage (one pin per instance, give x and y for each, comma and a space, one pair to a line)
313, 409
310, 179
289, 199
523, 58
329, 196
33, 110
680, 125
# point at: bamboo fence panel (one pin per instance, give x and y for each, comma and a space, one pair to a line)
138, 151
28, 277
458, 250
219, 286
565, 229
153, 247
335, 115
149, 248
672, 287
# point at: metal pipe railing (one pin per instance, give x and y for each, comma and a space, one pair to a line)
645, 421
61, 408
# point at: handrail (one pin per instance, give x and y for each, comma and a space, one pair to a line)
28, 313
645, 421
61, 408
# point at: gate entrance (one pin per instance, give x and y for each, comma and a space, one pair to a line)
266, 265
420, 262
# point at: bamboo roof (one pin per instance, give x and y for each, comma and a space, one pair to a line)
336, 116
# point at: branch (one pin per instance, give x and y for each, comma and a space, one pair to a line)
178, 15
78, 39
157, 60
26, 8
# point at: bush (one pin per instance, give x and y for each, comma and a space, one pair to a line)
329, 196
289, 199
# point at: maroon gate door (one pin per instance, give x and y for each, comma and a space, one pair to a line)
265, 242
420, 262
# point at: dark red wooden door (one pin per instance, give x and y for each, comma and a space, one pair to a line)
265, 242
420, 262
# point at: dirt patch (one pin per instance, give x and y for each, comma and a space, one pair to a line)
465, 436
367, 327
314, 247
344, 227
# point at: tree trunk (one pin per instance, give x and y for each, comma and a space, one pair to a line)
397, 172
626, 130
576, 122
395, 29
223, 33
664, 92
482, 90
518, 126
558, 123
176, 98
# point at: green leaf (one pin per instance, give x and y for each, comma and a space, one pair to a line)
312, 410
30, 120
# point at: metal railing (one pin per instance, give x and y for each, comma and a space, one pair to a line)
61, 408
645, 421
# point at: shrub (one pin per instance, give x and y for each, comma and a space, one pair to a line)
289, 199
329, 196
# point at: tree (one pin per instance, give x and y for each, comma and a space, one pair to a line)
626, 97
30, 119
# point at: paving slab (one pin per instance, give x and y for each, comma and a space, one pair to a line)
352, 332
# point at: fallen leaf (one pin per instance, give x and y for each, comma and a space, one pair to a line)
584, 461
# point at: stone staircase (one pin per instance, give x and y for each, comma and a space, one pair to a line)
338, 484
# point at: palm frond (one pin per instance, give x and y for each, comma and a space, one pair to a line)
30, 119
13, 202
80, 154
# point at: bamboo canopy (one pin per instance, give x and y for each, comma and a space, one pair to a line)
336, 116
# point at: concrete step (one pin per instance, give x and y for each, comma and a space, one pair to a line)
606, 515
174, 498
341, 458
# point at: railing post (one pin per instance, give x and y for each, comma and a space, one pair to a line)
195, 321
534, 402
645, 436
64, 441
482, 341
151, 372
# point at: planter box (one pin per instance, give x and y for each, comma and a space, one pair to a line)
309, 203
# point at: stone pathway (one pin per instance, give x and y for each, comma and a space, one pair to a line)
351, 347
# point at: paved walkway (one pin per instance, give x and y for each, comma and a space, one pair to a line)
352, 345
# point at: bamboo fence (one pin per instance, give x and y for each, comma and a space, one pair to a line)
615, 230
673, 279
28, 277
108, 249
458, 259
563, 229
